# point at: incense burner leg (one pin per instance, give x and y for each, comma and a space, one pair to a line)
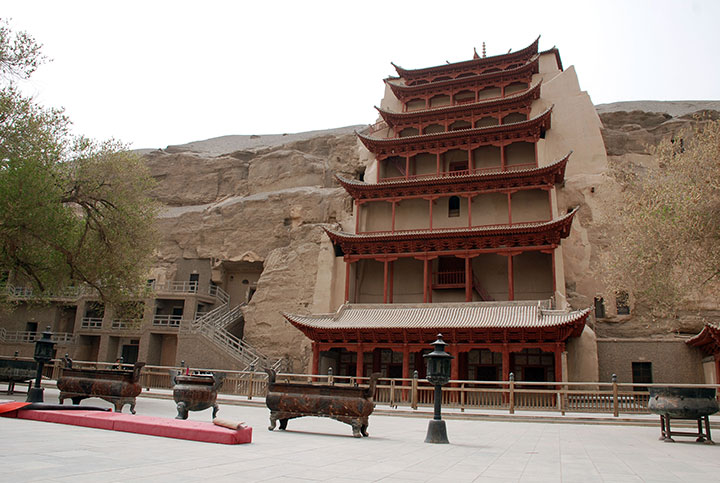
216, 408
283, 423
273, 421
182, 411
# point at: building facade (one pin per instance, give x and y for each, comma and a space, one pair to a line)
457, 228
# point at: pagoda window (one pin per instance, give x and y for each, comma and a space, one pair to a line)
515, 87
520, 155
440, 100
454, 156
486, 122
487, 158
453, 206
489, 93
530, 206
409, 131
433, 129
464, 96
415, 105
514, 117
457, 125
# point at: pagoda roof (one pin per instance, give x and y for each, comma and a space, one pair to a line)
473, 137
708, 340
403, 91
486, 321
469, 65
551, 174
506, 237
484, 106
554, 50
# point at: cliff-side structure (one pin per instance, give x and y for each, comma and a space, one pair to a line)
457, 226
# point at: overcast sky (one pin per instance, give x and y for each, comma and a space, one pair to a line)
155, 73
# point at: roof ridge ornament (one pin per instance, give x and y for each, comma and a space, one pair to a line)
484, 53
475, 54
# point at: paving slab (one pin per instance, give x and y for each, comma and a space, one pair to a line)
318, 449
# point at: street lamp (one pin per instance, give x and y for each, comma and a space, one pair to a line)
44, 348
438, 374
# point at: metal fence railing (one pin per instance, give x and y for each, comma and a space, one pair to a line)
561, 397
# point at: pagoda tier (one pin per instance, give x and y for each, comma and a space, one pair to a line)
472, 324
474, 66
530, 131
458, 182
472, 111
516, 237
475, 83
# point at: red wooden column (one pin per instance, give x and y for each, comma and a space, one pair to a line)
316, 358
505, 362
511, 278
407, 167
559, 348
385, 281
425, 279
455, 363
471, 164
468, 280
406, 361
469, 199
392, 223
359, 362
391, 282
438, 163
347, 280
357, 216
502, 157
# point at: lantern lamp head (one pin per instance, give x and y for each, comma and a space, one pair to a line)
44, 347
438, 363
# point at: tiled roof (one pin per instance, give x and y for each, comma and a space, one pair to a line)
452, 232
489, 315
708, 340
462, 107
515, 173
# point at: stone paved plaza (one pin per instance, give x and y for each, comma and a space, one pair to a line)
318, 449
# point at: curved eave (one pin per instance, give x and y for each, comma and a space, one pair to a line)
385, 147
325, 327
527, 52
402, 91
526, 96
553, 173
708, 340
496, 238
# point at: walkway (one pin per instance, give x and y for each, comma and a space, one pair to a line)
323, 450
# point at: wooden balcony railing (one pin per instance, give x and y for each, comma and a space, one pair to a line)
462, 172
583, 397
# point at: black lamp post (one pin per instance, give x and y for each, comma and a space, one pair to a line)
438, 373
43, 354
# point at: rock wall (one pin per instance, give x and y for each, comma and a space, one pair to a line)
272, 195
271, 199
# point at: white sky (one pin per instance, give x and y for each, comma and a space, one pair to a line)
153, 73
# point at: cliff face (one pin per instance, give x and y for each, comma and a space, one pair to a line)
272, 195
271, 199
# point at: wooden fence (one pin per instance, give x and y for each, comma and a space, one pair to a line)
591, 397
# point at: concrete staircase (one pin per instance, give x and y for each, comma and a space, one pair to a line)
212, 326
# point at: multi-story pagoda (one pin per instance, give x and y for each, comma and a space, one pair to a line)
457, 229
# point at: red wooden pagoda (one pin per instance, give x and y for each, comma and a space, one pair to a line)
457, 230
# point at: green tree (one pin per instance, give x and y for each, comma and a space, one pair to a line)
665, 228
72, 211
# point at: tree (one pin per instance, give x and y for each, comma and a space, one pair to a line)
665, 228
72, 211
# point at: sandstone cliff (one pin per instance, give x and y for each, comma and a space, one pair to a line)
273, 194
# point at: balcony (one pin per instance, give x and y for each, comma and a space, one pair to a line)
460, 172
93, 323
188, 288
167, 321
26, 337
126, 324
